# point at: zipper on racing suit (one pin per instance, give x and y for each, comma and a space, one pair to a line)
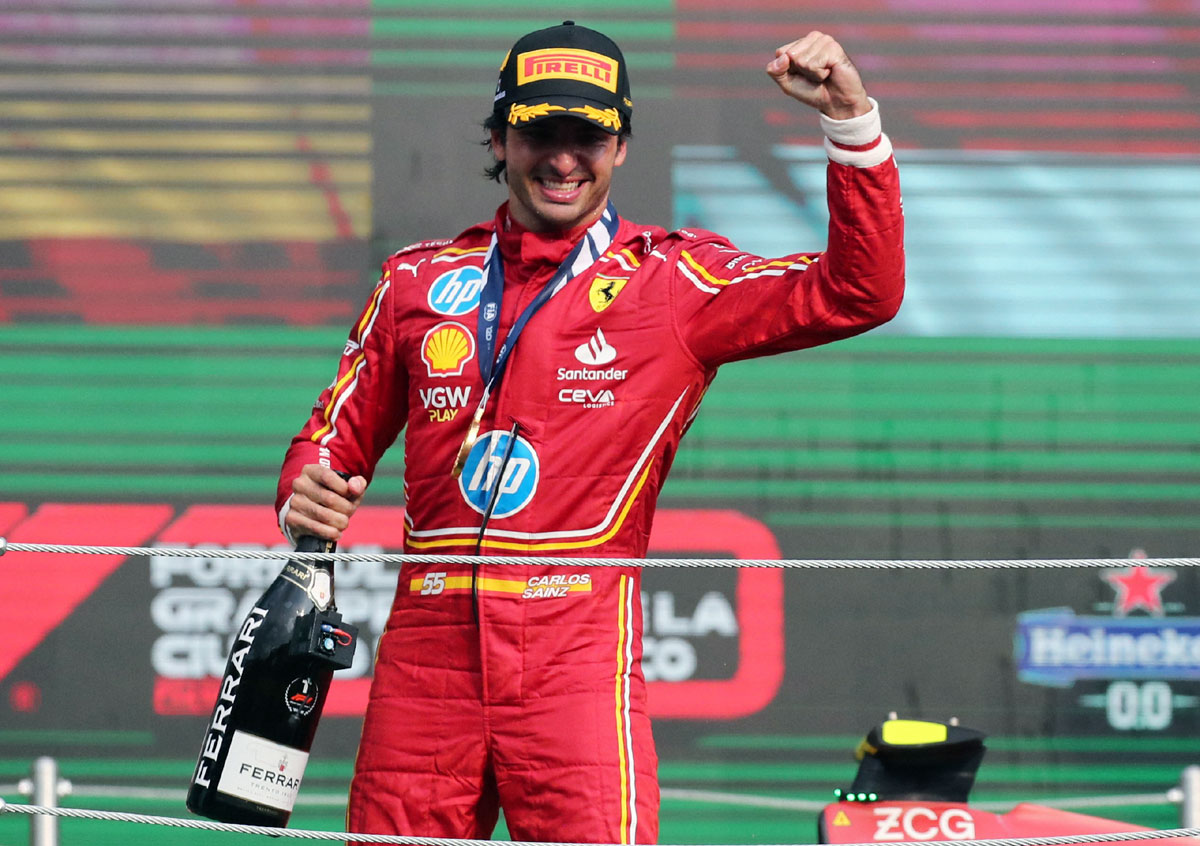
493, 496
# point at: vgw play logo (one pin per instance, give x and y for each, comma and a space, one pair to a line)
1139, 649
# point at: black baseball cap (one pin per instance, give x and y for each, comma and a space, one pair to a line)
565, 70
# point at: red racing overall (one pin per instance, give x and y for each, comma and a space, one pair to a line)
539, 706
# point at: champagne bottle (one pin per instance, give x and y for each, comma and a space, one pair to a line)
272, 693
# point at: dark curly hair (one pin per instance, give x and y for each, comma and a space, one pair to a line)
496, 122
493, 122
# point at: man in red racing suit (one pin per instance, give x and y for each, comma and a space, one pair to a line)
520, 686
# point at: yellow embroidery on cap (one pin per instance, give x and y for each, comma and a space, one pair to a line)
608, 118
520, 114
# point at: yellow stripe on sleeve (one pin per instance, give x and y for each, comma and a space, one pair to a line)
351, 374
749, 270
459, 251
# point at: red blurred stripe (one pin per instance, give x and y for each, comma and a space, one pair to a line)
1066, 119
1117, 146
1009, 63
10, 513
175, 311
849, 32
784, 32
999, 92
44, 588
1061, 10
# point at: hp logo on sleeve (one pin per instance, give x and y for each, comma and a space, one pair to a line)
481, 474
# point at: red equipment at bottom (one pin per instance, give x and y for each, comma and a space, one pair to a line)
912, 784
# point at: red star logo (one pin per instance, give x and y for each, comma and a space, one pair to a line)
1139, 587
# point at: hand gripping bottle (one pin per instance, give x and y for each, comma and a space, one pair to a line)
271, 697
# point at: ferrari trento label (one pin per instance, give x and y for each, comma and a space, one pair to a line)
228, 695
565, 63
260, 770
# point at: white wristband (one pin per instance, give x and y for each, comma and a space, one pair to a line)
857, 141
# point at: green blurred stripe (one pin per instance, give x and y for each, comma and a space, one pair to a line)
916, 489
77, 737
1098, 743
42, 420
214, 398
170, 768
84, 445
669, 771
510, 29
104, 484
1141, 744
765, 412
14, 829
142, 413
786, 375
1017, 352
1121, 773
1132, 399
171, 482
940, 430
166, 457
57, 383
1012, 349
110, 768
877, 460
387, 487
201, 365
781, 742
1096, 519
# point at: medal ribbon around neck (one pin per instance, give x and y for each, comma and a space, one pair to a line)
492, 362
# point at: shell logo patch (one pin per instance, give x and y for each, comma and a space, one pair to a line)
566, 63
447, 348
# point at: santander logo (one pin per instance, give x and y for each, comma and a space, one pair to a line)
596, 351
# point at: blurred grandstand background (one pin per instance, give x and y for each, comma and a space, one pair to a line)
195, 194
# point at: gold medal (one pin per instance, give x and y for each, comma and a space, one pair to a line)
469, 441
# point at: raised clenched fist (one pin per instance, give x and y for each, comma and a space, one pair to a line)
816, 71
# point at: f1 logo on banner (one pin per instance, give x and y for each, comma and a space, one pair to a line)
714, 642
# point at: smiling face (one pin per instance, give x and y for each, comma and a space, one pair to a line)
559, 171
